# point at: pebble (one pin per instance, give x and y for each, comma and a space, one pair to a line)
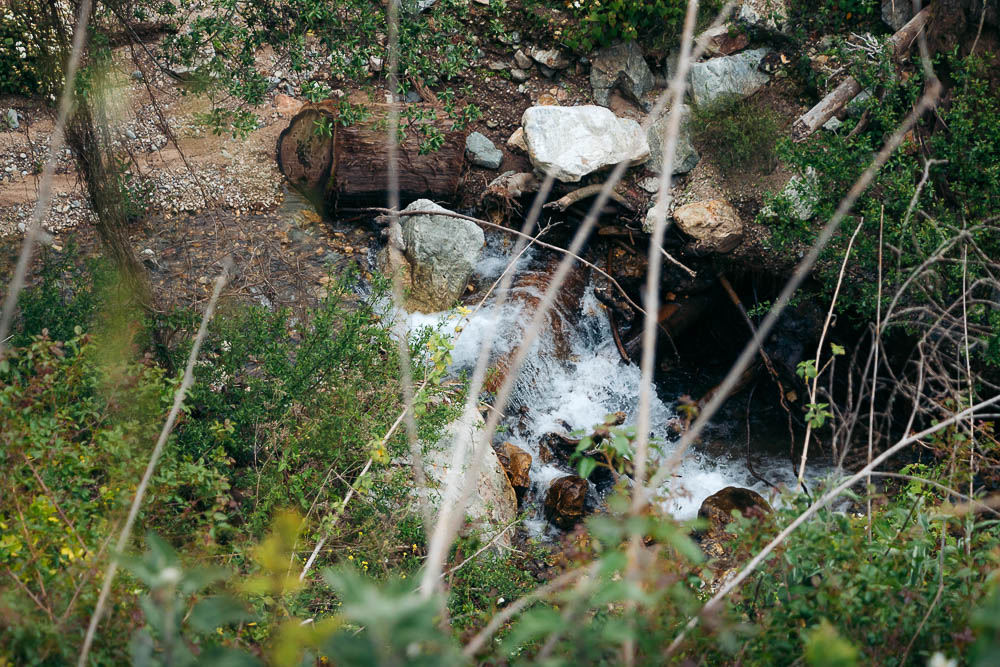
12, 119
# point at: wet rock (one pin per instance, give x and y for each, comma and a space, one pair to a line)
441, 252
620, 66
517, 464
565, 501
481, 151
686, 156
494, 502
718, 507
714, 225
723, 40
554, 59
735, 75
896, 13
576, 141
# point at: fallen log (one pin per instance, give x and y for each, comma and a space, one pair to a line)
849, 88
350, 165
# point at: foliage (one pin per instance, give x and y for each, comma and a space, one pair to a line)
603, 22
738, 135
28, 44
323, 43
835, 16
964, 190
870, 595
76, 433
65, 295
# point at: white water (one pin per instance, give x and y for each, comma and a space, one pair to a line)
581, 391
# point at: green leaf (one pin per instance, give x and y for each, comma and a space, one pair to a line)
837, 349
586, 467
214, 612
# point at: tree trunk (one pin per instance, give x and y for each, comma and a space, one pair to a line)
349, 165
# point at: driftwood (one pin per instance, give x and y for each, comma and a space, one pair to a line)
585, 192
350, 166
849, 88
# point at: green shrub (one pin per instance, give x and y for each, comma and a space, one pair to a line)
76, 435
65, 295
962, 190
835, 16
28, 48
738, 134
872, 593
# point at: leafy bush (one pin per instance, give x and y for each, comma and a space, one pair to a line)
739, 135
964, 190
834, 16
921, 561
28, 48
76, 434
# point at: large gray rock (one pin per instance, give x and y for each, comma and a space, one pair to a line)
441, 252
621, 66
482, 152
12, 120
576, 141
801, 194
686, 157
714, 225
493, 503
735, 75
896, 13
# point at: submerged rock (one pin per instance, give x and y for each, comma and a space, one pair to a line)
565, 501
686, 157
718, 507
517, 464
620, 66
482, 152
576, 141
440, 253
735, 75
714, 225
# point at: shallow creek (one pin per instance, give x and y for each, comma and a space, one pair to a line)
579, 389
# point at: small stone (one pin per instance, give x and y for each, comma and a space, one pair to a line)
519, 75
375, 63
23, 156
554, 59
723, 40
833, 124
517, 140
482, 152
12, 119
498, 65
565, 501
129, 133
522, 60
137, 75
650, 185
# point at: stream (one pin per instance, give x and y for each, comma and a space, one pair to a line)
577, 390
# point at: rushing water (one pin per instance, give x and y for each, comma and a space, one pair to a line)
579, 390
